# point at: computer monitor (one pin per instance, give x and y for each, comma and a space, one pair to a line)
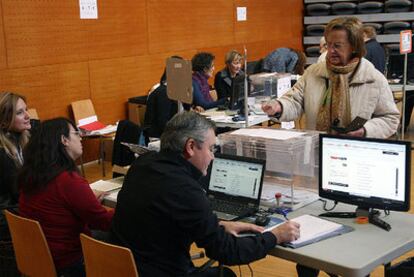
237, 93
369, 173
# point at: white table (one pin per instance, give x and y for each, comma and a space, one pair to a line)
222, 119
357, 253
398, 87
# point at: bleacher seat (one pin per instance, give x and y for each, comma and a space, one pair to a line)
395, 27
318, 9
370, 7
392, 49
315, 30
312, 51
396, 6
343, 8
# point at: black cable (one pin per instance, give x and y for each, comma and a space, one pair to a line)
325, 203
240, 271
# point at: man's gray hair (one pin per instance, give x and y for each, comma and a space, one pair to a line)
183, 126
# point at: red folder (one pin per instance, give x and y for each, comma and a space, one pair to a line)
93, 126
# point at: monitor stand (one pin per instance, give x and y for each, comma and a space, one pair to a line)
240, 113
373, 216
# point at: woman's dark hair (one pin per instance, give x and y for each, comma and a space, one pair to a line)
164, 74
45, 156
202, 61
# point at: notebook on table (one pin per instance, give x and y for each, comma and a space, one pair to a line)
235, 186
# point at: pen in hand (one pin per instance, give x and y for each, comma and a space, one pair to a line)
284, 215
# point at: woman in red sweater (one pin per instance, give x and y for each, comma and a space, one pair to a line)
54, 193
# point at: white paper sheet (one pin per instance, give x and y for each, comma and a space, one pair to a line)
105, 186
312, 227
88, 9
268, 133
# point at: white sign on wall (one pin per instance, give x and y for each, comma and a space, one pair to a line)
88, 9
241, 13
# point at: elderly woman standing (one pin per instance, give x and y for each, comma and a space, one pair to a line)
344, 87
224, 78
14, 134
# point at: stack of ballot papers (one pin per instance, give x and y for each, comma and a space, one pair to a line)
105, 186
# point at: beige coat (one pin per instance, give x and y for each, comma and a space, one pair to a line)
370, 97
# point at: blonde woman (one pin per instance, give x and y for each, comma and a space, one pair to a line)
14, 134
224, 78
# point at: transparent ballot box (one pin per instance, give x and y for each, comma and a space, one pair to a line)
264, 86
291, 162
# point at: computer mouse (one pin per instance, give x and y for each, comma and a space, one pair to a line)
262, 220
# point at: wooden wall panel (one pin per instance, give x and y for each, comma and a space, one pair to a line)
270, 20
53, 57
49, 89
120, 31
114, 81
43, 32
189, 24
3, 60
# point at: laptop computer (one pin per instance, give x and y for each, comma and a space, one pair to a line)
235, 185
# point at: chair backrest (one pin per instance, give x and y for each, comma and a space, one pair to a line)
33, 113
82, 109
31, 249
104, 259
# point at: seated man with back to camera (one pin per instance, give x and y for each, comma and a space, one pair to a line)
162, 208
333, 93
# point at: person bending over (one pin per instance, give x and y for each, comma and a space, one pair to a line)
285, 60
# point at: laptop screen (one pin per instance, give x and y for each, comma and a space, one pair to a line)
237, 176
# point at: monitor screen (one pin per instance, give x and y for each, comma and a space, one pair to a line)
369, 173
237, 176
237, 92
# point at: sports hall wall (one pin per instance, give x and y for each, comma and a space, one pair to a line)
53, 57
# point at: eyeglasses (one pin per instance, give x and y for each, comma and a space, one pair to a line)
75, 133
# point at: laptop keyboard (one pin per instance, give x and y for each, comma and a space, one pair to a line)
230, 207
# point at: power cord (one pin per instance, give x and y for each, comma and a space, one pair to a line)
325, 203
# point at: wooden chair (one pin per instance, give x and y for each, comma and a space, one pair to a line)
104, 259
32, 251
83, 109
